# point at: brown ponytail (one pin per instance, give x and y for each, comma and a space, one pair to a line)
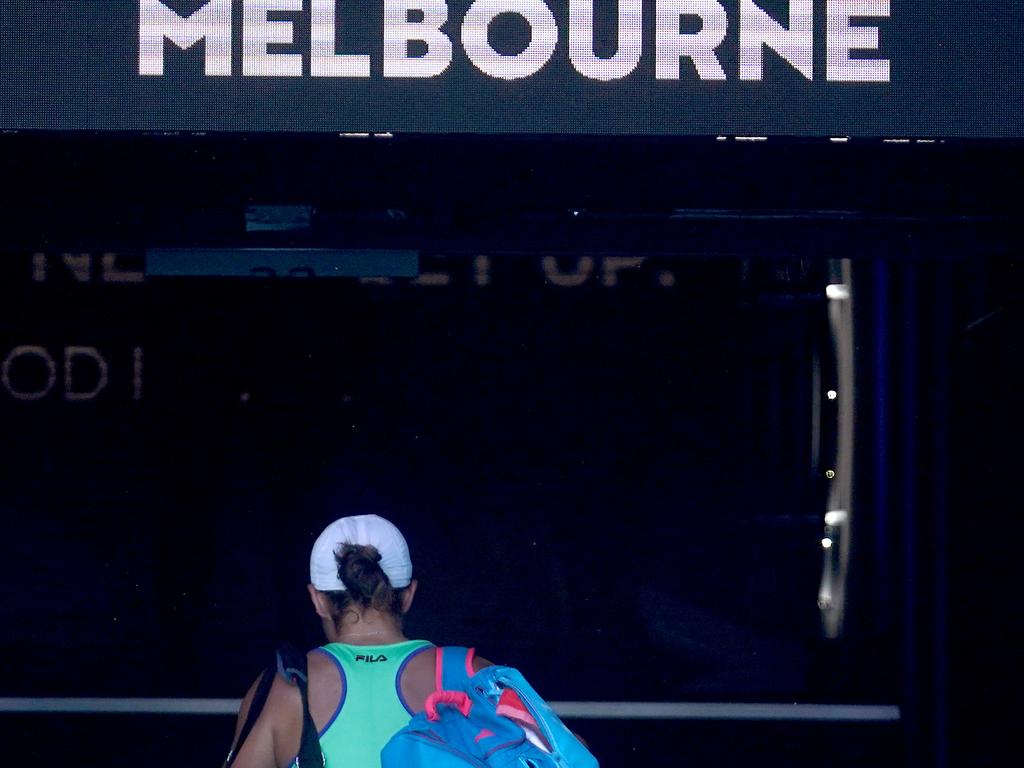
366, 584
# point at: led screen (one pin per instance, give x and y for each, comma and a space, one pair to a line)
870, 68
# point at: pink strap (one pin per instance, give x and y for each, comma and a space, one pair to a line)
455, 698
439, 666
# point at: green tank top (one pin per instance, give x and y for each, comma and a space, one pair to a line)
371, 709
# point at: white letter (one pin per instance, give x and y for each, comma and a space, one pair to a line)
137, 374
483, 269
80, 266
325, 62
211, 22
433, 278
259, 32
111, 274
795, 45
70, 353
842, 38
584, 267
670, 45
51, 372
543, 38
398, 31
612, 264
581, 40
39, 267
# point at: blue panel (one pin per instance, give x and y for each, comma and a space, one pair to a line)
280, 262
278, 218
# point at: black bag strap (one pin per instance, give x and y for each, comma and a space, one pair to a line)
255, 707
291, 663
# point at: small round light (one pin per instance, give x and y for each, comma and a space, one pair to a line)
830, 473
826, 543
831, 394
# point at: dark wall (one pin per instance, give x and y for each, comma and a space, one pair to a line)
594, 479
586, 474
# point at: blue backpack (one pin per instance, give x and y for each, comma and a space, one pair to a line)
490, 719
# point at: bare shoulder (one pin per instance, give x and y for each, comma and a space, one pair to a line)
419, 681
283, 696
319, 663
479, 662
326, 686
274, 739
424, 664
263, 748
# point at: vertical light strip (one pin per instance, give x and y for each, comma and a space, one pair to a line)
839, 511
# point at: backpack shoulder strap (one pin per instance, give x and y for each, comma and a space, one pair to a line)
255, 707
453, 667
291, 663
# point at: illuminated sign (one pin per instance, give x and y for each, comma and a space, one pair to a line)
685, 67
758, 31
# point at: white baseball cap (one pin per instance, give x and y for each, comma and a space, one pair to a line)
371, 530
